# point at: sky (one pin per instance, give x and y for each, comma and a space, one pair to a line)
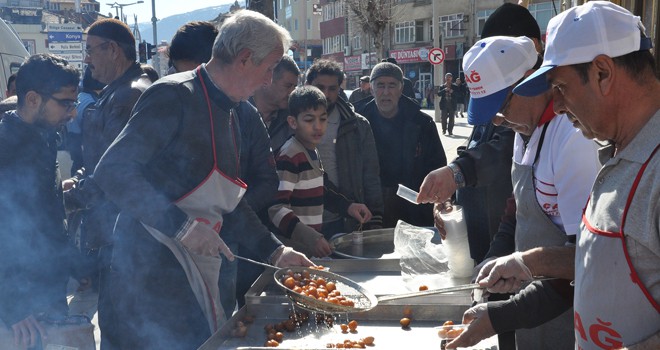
164, 8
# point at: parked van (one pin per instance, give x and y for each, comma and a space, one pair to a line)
12, 54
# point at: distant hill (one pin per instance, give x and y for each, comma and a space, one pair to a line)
168, 26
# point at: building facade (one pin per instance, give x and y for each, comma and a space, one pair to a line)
301, 18
410, 33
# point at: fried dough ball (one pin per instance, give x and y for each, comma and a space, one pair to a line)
368, 340
352, 325
405, 322
423, 288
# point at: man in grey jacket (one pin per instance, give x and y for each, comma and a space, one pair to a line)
348, 152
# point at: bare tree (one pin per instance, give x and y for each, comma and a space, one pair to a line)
373, 17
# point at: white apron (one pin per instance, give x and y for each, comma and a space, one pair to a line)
614, 311
216, 195
535, 229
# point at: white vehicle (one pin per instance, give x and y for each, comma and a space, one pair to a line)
12, 54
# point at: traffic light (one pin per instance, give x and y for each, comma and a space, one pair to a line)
142, 51
151, 50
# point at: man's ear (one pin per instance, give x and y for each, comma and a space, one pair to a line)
33, 99
243, 56
292, 122
604, 71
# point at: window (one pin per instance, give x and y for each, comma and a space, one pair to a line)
482, 16
404, 32
309, 24
419, 30
295, 24
542, 12
357, 41
453, 25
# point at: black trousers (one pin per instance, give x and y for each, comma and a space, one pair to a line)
448, 116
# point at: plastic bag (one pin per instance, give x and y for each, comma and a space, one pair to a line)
426, 261
422, 261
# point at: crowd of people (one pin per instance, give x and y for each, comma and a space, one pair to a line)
228, 155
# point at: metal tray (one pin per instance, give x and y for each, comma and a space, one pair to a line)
381, 322
376, 244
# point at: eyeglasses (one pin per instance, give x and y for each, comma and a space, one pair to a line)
509, 96
90, 49
508, 99
65, 102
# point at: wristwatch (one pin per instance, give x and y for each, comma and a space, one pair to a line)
459, 179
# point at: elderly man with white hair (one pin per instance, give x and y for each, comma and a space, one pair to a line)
174, 173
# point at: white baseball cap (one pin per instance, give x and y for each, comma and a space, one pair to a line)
491, 66
581, 33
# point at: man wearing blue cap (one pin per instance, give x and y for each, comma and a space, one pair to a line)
553, 169
605, 76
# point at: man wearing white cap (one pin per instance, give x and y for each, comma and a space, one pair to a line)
553, 169
605, 76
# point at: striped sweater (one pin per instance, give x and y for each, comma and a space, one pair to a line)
300, 193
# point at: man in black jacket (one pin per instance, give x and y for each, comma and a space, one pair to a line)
449, 96
36, 257
407, 142
111, 57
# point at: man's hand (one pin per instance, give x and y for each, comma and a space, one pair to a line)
290, 257
479, 328
437, 220
505, 275
203, 240
437, 187
68, 184
27, 331
322, 248
359, 212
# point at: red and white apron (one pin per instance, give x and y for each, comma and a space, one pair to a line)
216, 195
612, 306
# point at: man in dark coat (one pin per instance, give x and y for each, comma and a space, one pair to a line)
36, 257
407, 142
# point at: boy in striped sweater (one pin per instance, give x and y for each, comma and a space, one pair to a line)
298, 211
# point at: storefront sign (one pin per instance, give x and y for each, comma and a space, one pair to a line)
410, 55
369, 60
352, 63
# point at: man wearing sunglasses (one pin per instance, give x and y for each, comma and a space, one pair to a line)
35, 254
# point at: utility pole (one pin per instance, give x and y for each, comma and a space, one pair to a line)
155, 61
438, 69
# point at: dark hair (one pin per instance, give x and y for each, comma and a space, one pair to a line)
11, 79
193, 41
150, 72
45, 74
89, 84
287, 64
324, 67
511, 20
117, 31
305, 98
640, 65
